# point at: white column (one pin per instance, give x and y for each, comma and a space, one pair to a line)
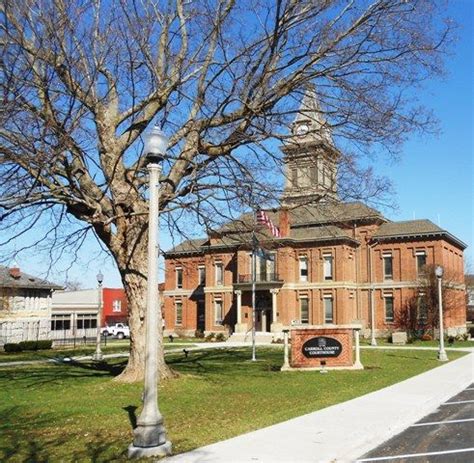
274, 304
286, 362
263, 320
238, 293
357, 363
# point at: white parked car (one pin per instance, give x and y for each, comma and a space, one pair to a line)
120, 330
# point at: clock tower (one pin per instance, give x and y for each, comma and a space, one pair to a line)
310, 157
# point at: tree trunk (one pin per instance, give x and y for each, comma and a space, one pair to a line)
133, 270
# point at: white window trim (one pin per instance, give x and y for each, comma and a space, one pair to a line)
306, 298
328, 296
201, 267
216, 266
176, 312
385, 297
387, 255
328, 257
176, 270
301, 259
218, 321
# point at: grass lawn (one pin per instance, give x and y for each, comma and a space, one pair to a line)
77, 413
111, 348
419, 343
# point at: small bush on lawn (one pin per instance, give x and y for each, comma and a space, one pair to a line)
220, 337
198, 334
426, 337
209, 337
12, 347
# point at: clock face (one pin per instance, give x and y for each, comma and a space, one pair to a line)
302, 129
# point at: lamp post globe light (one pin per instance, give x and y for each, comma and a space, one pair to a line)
442, 357
150, 435
98, 356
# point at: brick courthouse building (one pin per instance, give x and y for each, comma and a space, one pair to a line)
334, 263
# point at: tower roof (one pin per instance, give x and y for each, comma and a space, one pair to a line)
311, 117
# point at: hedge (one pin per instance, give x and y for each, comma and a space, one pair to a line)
28, 345
12, 347
36, 345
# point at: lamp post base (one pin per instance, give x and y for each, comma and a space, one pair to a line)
442, 356
162, 450
98, 357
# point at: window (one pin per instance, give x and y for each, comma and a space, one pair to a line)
218, 312
60, 322
388, 308
303, 260
219, 273
117, 305
328, 309
422, 307
85, 321
314, 175
179, 277
420, 263
179, 312
304, 310
387, 267
328, 270
202, 275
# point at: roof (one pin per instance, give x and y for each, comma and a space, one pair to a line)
317, 214
333, 212
187, 246
413, 229
24, 281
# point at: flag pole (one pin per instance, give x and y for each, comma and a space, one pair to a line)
254, 277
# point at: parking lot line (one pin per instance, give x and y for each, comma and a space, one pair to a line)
414, 455
459, 402
433, 423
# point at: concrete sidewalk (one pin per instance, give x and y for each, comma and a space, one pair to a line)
343, 432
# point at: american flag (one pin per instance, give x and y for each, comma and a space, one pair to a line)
263, 219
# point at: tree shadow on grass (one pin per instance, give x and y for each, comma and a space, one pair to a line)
225, 362
25, 437
31, 376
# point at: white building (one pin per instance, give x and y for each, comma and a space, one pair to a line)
74, 314
25, 306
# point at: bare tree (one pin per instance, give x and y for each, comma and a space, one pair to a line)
83, 80
420, 314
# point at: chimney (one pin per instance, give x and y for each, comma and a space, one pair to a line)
284, 223
15, 272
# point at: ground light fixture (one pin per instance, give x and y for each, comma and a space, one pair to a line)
149, 435
442, 356
98, 356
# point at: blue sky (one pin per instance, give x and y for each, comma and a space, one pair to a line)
434, 178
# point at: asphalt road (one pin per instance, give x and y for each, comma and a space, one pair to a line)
445, 436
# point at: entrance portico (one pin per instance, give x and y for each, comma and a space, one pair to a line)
266, 308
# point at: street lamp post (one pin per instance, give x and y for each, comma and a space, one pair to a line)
149, 434
442, 357
98, 356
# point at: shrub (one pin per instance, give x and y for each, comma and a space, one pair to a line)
28, 345
198, 334
220, 337
426, 337
45, 344
210, 337
12, 347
